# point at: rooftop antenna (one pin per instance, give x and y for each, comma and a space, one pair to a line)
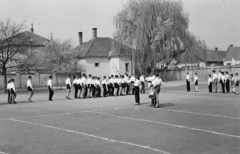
51, 35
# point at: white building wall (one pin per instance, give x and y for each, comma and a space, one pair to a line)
114, 66
90, 68
230, 62
122, 65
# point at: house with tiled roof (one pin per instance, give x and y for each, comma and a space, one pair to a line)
233, 56
213, 57
34, 43
103, 56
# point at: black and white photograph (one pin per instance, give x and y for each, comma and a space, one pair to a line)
119, 76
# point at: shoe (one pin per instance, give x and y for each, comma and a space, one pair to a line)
151, 105
156, 106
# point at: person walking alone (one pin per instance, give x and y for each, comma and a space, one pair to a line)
50, 88
30, 88
68, 86
188, 82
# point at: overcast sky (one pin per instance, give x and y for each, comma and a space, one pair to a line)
215, 21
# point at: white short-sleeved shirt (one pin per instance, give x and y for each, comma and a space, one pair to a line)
142, 78
195, 78
157, 82
209, 81
49, 83
68, 81
29, 84
215, 76
137, 83
188, 77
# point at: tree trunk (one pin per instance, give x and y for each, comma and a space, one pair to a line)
4, 71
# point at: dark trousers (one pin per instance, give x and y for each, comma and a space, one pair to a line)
210, 87
9, 96
108, 89
128, 88
188, 85
51, 92
98, 89
76, 90
117, 88
104, 90
93, 89
143, 87
228, 86
223, 87
153, 101
136, 93
85, 91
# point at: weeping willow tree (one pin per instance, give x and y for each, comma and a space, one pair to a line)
156, 29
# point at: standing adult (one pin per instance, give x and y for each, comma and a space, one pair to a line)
111, 85
156, 84
136, 86
196, 82
116, 85
210, 83
232, 83
222, 81
9, 91
68, 86
142, 80
188, 82
30, 88
132, 80
50, 88
236, 81
219, 79
150, 81
13, 91
227, 77
215, 81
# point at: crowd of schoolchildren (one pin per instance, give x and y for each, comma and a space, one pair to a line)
92, 87
227, 83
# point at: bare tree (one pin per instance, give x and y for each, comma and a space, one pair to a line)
156, 29
60, 56
12, 43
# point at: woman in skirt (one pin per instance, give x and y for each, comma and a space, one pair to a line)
68, 86
30, 88
196, 82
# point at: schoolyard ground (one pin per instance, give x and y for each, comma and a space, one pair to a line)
186, 123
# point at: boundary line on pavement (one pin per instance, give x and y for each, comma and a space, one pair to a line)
66, 113
91, 135
2, 152
168, 124
196, 113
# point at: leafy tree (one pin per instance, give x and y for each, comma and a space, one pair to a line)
60, 56
156, 29
12, 43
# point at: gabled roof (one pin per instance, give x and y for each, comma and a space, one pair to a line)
102, 47
213, 55
36, 40
232, 53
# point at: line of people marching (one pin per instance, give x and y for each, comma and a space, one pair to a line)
228, 83
91, 87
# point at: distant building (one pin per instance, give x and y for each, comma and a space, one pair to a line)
213, 57
35, 43
103, 56
233, 56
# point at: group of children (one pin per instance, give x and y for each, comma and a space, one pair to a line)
92, 86
228, 83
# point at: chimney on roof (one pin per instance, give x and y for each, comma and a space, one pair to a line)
32, 30
216, 48
231, 45
80, 38
94, 32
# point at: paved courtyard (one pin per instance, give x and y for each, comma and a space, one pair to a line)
186, 123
